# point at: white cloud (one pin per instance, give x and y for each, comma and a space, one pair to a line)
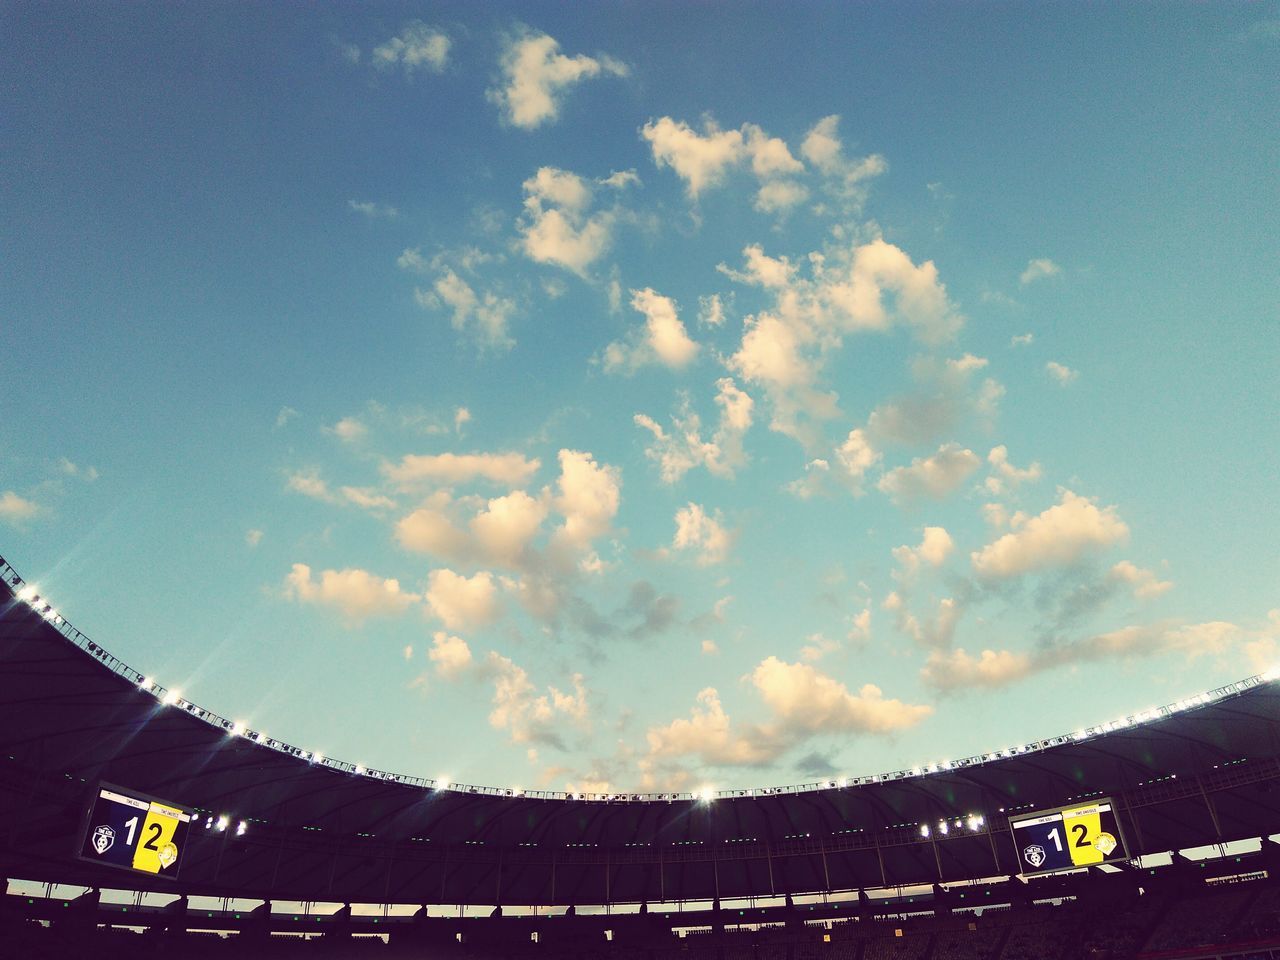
536, 75
357, 593
817, 647
695, 530
935, 632
349, 429
1022, 340
664, 338
528, 716
309, 483
451, 655
933, 551
708, 735
860, 625
417, 47
462, 602
1038, 269
1060, 536
701, 160
588, 499
506, 526
935, 477
958, 670
1144, 583
253, 537
16, 509
374, 211
856, 456
770, 156
461, 417
1004, 475
447, 469
804, 699
847, 178
556, 228
683, 448
777, 196
483, 316
284, 416
1062, 374
990, 669
711, 311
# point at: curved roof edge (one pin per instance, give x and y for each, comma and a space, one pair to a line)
12, 582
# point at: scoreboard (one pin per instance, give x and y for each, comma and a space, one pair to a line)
1067, 838
131, 830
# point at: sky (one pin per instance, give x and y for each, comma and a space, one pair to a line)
647, 396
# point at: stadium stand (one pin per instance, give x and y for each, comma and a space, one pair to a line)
910, 865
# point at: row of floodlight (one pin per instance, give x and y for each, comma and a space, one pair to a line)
29, 594
974, 821
222, 822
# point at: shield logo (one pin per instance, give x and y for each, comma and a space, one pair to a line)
168, 855
103, 838
1034, 855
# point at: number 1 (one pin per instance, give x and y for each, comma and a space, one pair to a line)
132, 825
1057, 840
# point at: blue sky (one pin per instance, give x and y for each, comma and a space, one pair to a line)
647, 394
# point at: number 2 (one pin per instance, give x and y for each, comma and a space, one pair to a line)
1081, 831
156, 830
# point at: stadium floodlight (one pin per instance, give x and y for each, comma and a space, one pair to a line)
317, 758
28, 593
942, 827
223, 822
974, 822
706, 795
171, 697
359, 770
237, 729
241, 828
924, 831
442, 783
144, 683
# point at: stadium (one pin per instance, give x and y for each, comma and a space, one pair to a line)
771, 480
283, 852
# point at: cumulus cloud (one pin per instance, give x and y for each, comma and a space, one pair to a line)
349, 429
557, 227
933, 551
846, 177
957, 670
530, 717
1062, 374
802, 702
358, 594
683, 447
1022, 340
1144, 583
1038, 269
309, 483
700, 160
663, 339
484, 317
450, 655
417, 47
588, 498
935, 632
536, 75
1004, 475
449, 469
703, 533
871, 286
933, 478
1061, 535
462, 602
253, 537
16, 509
778, 196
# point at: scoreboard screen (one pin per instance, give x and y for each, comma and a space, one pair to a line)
131, 830
1067, 838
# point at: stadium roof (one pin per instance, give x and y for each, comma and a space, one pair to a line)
71, 716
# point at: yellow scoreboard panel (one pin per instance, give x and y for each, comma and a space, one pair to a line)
1067, 838
134, 831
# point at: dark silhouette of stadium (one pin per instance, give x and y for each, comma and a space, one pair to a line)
911, 864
